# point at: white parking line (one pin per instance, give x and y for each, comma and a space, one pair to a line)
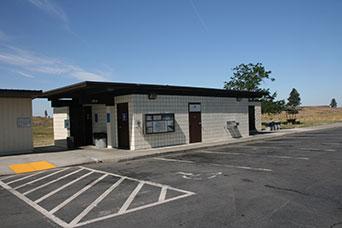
174, 160
248, 154
76, 221
131, 197
42, 178
65, 202
61, 188
319, 150
134, 209
242, 167
23, 178
215, 164
95, 203
7, 177
162, 194
51, 182
35, 206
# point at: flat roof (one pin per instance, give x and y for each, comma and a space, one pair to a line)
20, 93
92, 88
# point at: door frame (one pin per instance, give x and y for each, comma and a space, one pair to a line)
120, 133
191, 136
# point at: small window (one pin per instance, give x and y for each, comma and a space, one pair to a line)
159, 123
96, 118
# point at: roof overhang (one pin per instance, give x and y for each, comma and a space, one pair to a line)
91, 88
19, 93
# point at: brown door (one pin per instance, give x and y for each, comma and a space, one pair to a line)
251, 118
123, 128
195, 123
88, 126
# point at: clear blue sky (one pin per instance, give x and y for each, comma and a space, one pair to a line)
45, 44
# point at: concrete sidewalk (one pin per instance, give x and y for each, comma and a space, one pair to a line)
88, 155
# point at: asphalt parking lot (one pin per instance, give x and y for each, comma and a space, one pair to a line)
292, 181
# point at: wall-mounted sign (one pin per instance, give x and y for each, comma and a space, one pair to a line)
194, 107
23, 122
67, 124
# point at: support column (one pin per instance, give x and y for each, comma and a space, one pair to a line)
110, 126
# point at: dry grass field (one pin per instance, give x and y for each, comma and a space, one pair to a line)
309, 116
42, 129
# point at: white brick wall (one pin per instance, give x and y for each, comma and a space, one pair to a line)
216, 111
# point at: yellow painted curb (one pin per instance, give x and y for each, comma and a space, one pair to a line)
31, 167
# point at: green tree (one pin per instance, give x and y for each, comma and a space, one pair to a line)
294, 98
250, 77
271, 106
292, 106
333, 103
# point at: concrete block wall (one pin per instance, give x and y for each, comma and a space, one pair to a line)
163, 104
216, 111
60, 133
101, 124
15, 138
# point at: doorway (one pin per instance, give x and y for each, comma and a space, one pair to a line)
123, 126
81, 126
195, 123
251, 119
88, 125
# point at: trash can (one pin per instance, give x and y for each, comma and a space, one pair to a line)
70, 142
100, 140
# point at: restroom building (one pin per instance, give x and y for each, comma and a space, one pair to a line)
142, 116
16, 120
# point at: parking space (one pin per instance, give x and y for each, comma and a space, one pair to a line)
77, 196
292, 181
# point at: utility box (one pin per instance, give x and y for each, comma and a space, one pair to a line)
233, 128
100, 140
